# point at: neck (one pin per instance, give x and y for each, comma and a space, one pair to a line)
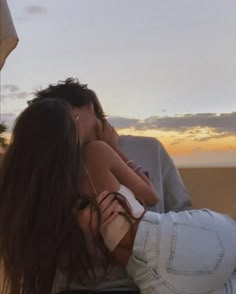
89, 139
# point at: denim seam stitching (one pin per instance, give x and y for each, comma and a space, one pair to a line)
173, 249
172, 288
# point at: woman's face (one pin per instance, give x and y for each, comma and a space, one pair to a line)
86, 122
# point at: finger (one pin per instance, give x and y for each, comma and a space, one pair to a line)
87, 220
101, 197
99, 129
109, 220
106, 202
111, 127
107, 127
83, 217
113, 207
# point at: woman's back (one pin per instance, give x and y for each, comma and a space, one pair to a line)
96, 175
107, 171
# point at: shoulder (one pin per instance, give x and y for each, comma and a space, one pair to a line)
96, 146
97, 151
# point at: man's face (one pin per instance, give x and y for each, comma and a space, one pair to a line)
86, 121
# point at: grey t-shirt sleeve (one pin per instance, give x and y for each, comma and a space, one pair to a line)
176, 197
151, 154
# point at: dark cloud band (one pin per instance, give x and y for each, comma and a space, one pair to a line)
223, 124
219, 125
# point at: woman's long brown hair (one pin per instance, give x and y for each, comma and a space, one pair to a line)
39, 188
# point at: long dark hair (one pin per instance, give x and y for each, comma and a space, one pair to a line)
39, 188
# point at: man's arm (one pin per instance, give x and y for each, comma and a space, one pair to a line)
157, 163
176, 197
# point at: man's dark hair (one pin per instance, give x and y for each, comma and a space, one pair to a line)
74, 93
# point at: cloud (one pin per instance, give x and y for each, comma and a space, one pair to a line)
32, 10
12, 91
18, 95
197, 127
122, 122
175, 142
12, 88
214, 125
35, 10
214, 136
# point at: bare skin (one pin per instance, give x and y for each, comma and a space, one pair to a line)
107, 168
107, 171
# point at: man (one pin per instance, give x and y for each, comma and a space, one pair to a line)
147, 153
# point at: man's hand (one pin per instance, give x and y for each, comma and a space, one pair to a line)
107, 133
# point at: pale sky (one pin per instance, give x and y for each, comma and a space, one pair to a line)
144, 58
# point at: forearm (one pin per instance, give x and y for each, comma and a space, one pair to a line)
132, 165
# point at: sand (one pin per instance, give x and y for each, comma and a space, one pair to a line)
213, 187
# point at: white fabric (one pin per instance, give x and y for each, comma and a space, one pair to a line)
116, 230
8, 35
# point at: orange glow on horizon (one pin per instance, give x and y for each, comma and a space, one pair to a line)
188, 142
181, 143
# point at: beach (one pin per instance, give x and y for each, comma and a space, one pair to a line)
211, 187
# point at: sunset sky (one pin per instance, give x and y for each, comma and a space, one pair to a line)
161, 68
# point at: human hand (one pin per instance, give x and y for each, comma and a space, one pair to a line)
107, 133
87, 218
109, 208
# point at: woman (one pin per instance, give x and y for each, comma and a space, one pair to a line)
39, 190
